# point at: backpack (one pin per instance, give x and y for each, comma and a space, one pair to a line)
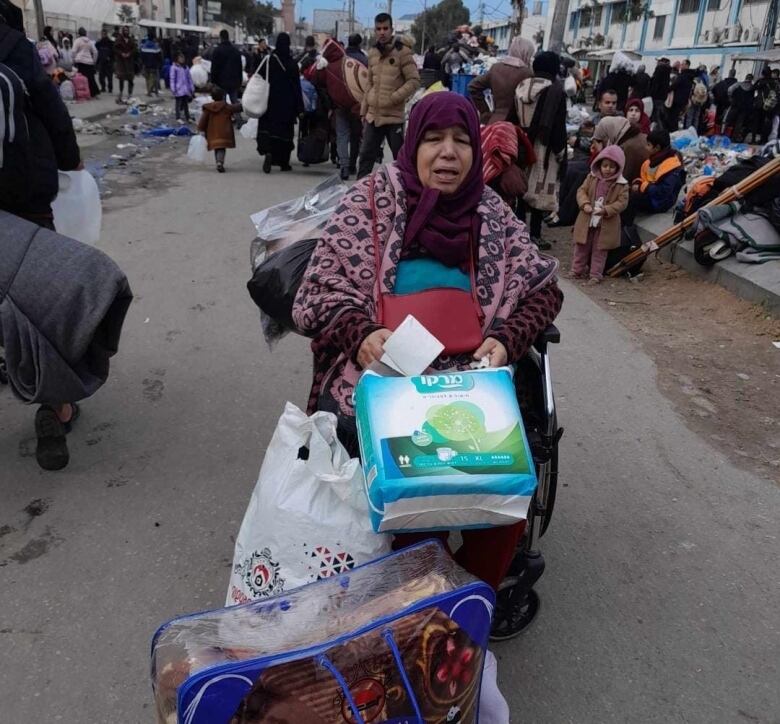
769, 100
527, 96
699, 94
309, 93
16, 148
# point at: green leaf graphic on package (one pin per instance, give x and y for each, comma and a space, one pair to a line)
454, 439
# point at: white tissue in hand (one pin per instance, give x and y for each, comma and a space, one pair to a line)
411, 348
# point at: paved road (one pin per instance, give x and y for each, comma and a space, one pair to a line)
660, 601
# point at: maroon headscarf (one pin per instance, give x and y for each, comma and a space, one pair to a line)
644, 120
442, 224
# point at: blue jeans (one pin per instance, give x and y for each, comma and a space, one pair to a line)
348, 136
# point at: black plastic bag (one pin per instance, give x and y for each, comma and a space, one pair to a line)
275, 283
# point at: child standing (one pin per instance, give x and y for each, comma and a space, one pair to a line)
182, 88
216, 122
601, 198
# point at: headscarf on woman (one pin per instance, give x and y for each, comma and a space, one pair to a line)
611, 129
644, 119
282, 48
443, 225
520, 54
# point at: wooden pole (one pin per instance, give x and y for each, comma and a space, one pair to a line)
734, 193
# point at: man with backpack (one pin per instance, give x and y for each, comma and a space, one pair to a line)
765, 105
36, 139
700, 96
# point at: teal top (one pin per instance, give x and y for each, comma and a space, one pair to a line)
417, 275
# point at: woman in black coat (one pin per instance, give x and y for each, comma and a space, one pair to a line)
276, 129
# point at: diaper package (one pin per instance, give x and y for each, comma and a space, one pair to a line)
443, 451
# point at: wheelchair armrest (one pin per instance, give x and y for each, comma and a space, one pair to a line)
551, 335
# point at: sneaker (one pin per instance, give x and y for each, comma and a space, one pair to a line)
592, 282
52, 449
541, 244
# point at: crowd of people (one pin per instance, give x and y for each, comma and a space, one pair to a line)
701, 98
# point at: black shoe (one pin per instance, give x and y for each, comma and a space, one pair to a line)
287, 167
352, 170
52, 449
541, 244
345, 174
221, 168
267, 165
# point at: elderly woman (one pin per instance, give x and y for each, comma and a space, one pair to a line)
502, 79
436, 224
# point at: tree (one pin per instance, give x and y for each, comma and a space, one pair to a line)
260, 20
435, 24
125, 14
257, 17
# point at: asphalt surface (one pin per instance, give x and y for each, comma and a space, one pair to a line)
660, 600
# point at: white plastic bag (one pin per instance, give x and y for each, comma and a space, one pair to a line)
200, 76
249, 129
493, 708
77, 209
306, 519
197, 149
254, 101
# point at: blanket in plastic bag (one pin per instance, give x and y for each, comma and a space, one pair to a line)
400, 639
275, 279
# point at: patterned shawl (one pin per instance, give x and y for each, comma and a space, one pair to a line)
341, 279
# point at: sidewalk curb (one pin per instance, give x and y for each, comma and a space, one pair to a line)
755, 283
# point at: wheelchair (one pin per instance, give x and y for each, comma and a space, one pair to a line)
516, 601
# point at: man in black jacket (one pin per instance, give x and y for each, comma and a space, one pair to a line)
105, 49
226, 70
720, 94
659, 87
53, 145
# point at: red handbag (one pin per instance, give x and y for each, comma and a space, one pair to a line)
453, 316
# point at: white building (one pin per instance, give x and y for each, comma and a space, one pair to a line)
537, 17
707, 32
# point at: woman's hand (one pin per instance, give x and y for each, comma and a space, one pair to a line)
494, 351
587, 208
372, 348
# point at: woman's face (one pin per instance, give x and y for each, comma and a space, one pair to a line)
444, 158
596, 146
633, 114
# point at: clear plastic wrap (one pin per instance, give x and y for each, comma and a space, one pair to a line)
324, 616
282, 225
279, 227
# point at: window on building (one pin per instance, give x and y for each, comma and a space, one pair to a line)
713, 4
597, 16
660, 26
689, 6
573, 21
586, 15
618, 13
538, 7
